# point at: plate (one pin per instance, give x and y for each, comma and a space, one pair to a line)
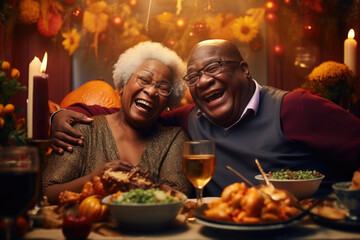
347, 224
201, 218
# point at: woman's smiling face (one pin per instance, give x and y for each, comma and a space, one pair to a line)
142, 106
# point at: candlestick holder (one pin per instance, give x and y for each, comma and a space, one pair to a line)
43, 147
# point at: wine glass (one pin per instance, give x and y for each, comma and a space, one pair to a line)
198, 161
19, 167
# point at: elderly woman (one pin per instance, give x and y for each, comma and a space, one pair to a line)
148, 77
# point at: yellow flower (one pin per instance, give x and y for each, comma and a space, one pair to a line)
331, 80
245, 29
72, 40
330, 72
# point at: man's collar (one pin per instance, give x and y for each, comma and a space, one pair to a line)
253, 105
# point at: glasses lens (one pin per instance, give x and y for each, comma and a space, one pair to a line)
192, 78
144, 79
163, 88
212, 69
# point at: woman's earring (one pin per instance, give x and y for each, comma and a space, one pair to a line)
120, 91
167, 109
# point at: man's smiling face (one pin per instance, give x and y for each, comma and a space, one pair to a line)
223, 97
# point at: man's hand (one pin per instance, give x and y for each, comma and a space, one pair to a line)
62, 132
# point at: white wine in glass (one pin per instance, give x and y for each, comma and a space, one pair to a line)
199, 164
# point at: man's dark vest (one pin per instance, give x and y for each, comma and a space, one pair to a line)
258, 136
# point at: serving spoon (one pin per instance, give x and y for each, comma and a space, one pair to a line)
240, 176
276, 196
268, 183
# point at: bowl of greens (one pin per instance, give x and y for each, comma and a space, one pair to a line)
301, 183
144, 209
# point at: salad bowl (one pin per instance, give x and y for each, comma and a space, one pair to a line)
300, 188
144, 216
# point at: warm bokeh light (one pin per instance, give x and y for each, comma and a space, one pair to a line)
133, 3
44, 63
271, 17
117, 21
278, 50
180, 23
351, 33
271, 6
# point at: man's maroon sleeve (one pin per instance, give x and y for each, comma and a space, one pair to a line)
177, 117
322, 126
91, 110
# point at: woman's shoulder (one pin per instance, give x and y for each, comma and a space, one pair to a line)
169, 132
169, 129
99, 122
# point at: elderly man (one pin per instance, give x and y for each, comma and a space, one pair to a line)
294, 130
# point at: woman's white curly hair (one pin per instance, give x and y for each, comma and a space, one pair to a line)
133, 57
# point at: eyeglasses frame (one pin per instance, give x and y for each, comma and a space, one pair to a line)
221, 63
156, 86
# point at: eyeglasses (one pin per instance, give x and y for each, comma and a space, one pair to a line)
145, 80
210, 70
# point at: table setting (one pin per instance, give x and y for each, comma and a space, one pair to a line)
172, 215
157, 213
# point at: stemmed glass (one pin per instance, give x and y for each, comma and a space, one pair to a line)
19, 168
198, 161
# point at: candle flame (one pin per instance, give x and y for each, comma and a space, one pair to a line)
351, 33
44, 63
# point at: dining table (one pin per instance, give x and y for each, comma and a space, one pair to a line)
191, 229
195, 230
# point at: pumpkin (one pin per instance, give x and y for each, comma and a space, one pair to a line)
53, 107
94, 92
50, 19
54, 25
92, 208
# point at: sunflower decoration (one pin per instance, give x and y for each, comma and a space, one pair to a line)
71, 41
247, 28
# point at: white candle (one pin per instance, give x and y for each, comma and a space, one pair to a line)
350, 46
34, 69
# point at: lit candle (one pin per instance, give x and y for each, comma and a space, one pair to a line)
40, 103
34, 69
350, 45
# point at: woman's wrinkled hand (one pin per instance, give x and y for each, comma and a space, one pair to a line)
62, 131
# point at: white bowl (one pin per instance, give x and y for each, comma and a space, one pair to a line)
348, 198
301, 189
144, 216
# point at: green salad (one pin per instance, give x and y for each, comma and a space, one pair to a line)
147, 196
294, 175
